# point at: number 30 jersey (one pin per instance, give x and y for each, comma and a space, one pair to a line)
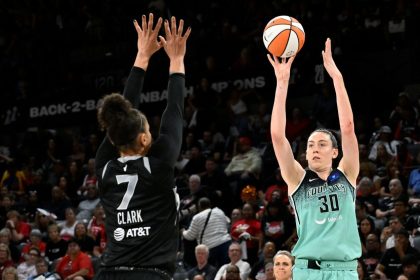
140, 202
325, 218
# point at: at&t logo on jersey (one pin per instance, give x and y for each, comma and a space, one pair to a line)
120, 233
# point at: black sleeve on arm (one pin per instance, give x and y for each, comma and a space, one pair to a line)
106, 152
134, 86
168, 144
132, 91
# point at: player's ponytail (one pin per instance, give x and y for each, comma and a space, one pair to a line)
121, 121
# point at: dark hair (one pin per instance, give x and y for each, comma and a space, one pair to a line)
122, 122
336, 142
204, 203
332, 135
33, 248
409, 259
234, 266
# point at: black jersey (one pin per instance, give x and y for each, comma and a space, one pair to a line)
138, 193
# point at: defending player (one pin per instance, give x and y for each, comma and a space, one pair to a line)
136, 175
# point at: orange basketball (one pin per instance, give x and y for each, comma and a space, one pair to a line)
284, 36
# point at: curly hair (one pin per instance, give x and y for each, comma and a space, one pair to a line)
121, 121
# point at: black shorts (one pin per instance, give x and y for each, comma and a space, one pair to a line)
128, 273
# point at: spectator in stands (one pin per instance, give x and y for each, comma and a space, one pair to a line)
5, 238
258, 269
27, 268
91, 147
215, 182
401, 210
276, 183
56, 246
404, 115
269, 271
235, 215
13, 179
414, 180
75, 264
366, 227
42, 272
10, 273
196, 161
395, 170
56, 171
20, 229
238, 111
235, 255
372, 255
68, 225
96, 229
88, 179
59, 203
209, 227
390, 265
396, 225
42, 220
86, 206
77, 154
5, 258
74, 179
277, 225
232, 273
361, 270
367, 167
248, 230
189, 204
244, 168
7, 204
84, 240
203, 267
404, 162
410, 267
383, 137
35, 241
362, 213
206, 143
396, 191
365, 189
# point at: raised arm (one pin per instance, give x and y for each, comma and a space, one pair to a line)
168, 145
350, 161
291, 171
147, 45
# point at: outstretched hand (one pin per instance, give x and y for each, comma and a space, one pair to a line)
281, 67
329, 63
174, 42
147, 42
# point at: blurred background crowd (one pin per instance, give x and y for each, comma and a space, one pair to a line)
67, 52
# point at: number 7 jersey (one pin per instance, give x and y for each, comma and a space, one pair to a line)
325, 218
140, 202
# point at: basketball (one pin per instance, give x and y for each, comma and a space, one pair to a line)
284, 36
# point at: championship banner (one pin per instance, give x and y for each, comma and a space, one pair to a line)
79, 111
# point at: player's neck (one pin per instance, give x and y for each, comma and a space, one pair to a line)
129, 153
323, 173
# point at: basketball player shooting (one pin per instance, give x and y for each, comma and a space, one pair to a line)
323, 197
